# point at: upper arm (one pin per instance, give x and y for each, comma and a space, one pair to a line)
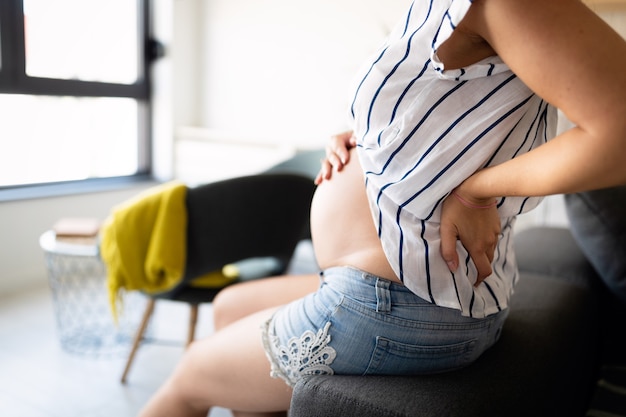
562, 51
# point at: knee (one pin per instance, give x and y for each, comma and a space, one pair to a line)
226, 308
182, 393
177, 395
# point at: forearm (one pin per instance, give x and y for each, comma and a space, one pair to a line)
573, 161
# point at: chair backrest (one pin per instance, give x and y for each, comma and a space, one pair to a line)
246, 217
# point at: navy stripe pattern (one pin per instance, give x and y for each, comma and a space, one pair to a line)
421, 130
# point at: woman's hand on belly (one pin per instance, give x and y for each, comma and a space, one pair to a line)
342, 228
337, 155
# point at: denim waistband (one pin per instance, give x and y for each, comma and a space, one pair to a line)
366, 287
384, 294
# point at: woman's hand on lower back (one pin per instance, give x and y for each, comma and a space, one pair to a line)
476, 225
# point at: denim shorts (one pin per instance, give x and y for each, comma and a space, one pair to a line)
360, 324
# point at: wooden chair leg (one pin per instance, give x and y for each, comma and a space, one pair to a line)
193, 319
138, 337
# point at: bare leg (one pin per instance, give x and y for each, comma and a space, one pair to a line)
241, 300
228, 369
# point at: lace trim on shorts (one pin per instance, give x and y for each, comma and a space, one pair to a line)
309, 354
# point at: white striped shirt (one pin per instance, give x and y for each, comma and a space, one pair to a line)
421, 131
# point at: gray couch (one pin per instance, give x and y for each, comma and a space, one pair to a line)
565, 323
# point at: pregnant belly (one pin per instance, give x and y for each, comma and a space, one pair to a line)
342, 228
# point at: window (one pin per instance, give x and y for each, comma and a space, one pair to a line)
74, 90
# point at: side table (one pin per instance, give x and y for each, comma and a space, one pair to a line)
77, 278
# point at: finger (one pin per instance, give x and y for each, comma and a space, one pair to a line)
340, 145
483, 267
337, 155
343, 155
318, 178
490, 253
449, 236
490, 249
325, 170
335, 161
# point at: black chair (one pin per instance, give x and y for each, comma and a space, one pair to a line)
232, 220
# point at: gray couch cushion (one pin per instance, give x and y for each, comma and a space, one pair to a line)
598, 223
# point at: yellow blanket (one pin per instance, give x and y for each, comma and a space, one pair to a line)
143, 242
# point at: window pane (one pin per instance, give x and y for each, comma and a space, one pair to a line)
89, 40
48, 139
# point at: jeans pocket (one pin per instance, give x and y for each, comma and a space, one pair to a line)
396, 358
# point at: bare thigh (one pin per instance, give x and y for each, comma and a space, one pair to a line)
230, 369
241, 300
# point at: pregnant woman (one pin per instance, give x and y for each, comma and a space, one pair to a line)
454, 123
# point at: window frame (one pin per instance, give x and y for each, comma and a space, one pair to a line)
14, 80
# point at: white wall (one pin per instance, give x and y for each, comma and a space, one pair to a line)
282, 69
258, 79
